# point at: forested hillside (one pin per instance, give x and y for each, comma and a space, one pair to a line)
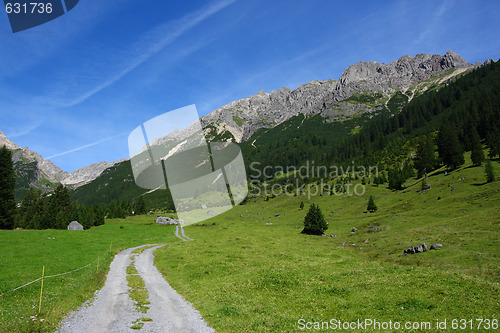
468, 107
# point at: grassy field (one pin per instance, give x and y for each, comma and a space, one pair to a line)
245, 275
24, 252
249, 271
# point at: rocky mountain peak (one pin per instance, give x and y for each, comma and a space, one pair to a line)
43, 170
403, 71
86, 174
4, 141
263, 110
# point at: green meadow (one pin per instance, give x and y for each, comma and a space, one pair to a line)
250, 271
24, 252
246, 275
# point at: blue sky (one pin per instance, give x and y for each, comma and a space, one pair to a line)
74, 88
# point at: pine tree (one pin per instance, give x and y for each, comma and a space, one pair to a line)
58, 214
494, 143
425, 161
449, 147
477, 154
396, 179
314, 222
488, 170
372, 208
7, 187
140, 207
29, 206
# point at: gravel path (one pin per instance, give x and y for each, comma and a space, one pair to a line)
170, 311
183, 237
112, 310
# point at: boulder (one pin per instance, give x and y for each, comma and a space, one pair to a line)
167, 220
277, 215
416, 249
74, 225
436, 246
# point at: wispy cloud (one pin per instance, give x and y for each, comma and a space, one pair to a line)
86, 146
24, 130
150, 44
434, 22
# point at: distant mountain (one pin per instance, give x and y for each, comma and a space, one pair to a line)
33, 170
83, 175
330, 98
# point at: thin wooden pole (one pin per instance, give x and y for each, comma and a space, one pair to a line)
41, 291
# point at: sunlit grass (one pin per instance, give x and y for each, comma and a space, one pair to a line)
24, 252
246, 275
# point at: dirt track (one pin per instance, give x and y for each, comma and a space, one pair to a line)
112, 310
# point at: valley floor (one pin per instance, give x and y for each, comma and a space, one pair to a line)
252, 271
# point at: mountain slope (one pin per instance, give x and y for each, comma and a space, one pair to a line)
244, 117
83, 175
364, 90
317, 138
379, 137
33, 170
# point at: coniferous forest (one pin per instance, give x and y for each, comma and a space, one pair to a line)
463, 115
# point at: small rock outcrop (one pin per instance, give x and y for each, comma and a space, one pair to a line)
416, 249
436, 246
167, 220
75, 226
